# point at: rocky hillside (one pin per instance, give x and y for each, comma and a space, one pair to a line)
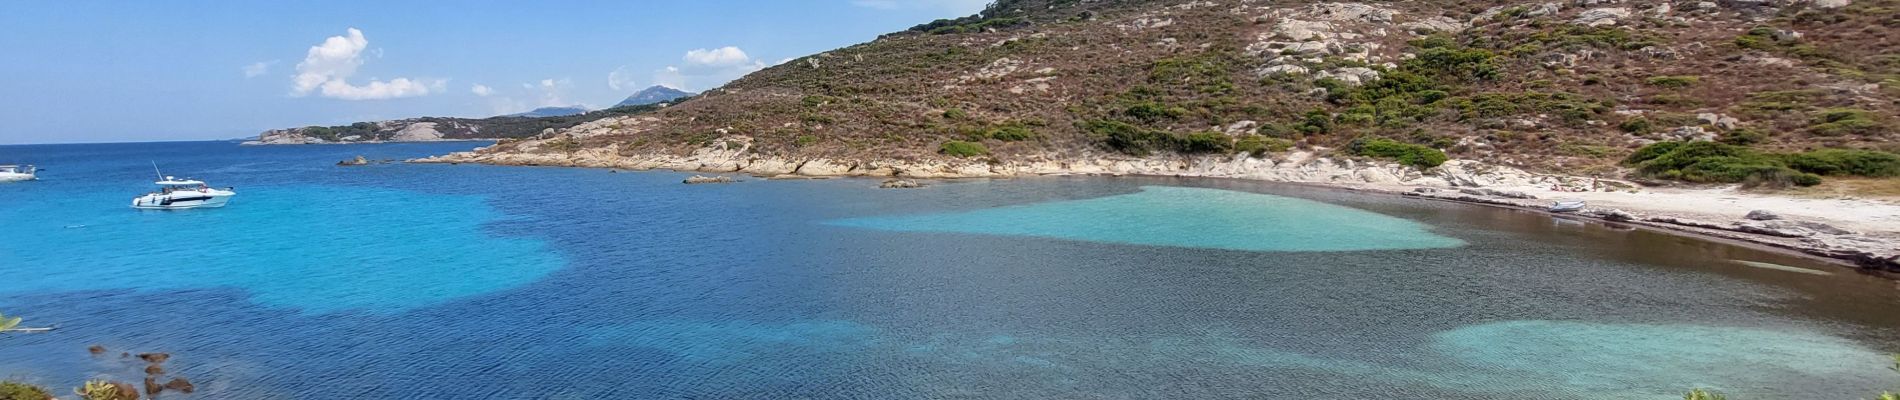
441, 128
1575, 86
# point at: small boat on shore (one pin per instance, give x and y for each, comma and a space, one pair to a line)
1564, 206
17, 173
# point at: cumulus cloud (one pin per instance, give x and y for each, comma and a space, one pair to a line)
720, 57
327, 67
481, 90
708, 67
621, 79
259, 68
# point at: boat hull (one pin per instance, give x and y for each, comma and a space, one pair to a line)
16, 177
182, 201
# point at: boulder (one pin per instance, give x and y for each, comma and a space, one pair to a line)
1767, 228
181, 385
96, 349
1762, 215
155, 358
698, 179
900, 184
359, 160
1601, 16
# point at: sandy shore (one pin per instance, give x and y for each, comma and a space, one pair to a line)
1859, 232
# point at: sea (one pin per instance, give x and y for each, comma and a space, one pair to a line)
436, 281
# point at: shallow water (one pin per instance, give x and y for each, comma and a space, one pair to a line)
440, 281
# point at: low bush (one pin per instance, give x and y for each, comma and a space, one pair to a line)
1711, 162
958, 148
1418, 156
1012, 133
1846, 162
1635, 125
1674, 81
1137, 141
21, 391
1203, 142
1845, 121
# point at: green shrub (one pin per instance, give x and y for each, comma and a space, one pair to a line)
1635, 125
804, 140
1848, 162
1699, 394
21, 391
1844, 121
1681, 81
955, 114
1204, 142
1711, 162
1133, 140
1149, 111
958, 148
1012, 133
1743, 137
1315, 122
1125, 138
1417, 156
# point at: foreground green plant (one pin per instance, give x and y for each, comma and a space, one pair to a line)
103, 390
7, 324
21, 391
1699, 394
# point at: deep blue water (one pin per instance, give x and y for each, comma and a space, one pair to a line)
466, 281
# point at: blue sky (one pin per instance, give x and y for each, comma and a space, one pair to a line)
190, 70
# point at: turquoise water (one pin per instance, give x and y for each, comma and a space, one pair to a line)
369, 249
1185, 217
441, 281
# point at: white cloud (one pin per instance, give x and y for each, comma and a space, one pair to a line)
720, 57
707, 67
258, 68
621, 79
480, 90
553, 92
327, 67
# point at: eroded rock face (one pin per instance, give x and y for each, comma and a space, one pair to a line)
899, 184
1601, 16
1762, 215
698, 179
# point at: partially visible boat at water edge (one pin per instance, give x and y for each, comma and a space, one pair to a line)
180, 194
17, 173
1564, 206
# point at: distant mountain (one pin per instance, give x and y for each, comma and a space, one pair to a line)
655, 94
551, 112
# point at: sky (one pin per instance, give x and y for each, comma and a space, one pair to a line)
126, 71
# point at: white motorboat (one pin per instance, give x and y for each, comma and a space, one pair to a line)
180, 194
17, 173
1566, 206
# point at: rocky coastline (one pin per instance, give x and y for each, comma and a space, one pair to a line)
1847, 231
